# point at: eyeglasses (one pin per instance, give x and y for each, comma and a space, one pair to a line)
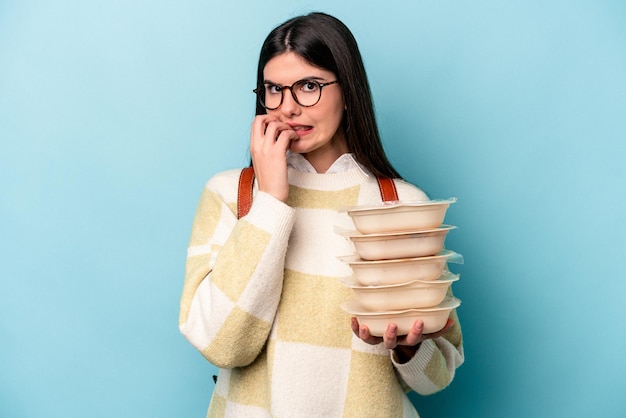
304, 92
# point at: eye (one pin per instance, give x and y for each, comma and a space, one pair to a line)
308, 86
272, 89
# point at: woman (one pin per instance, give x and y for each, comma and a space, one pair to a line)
262, 295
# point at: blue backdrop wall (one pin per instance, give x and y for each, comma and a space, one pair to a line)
113, 114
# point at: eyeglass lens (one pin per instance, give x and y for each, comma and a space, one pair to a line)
304, 92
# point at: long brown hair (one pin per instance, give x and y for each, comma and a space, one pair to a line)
325, 42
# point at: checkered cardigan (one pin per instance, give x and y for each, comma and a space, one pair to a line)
261, 301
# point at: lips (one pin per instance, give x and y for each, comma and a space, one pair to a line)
301, 129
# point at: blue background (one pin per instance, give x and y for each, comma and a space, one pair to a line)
113, 114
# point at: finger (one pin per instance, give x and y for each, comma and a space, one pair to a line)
261, 128
364, 334
265, 144
391, 336
266, 121
257, 133
259, 124
274, 128
285, 137
414, 335
354, 324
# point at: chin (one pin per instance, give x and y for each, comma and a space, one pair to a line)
297, 147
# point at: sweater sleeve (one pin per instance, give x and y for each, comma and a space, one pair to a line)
234, 273
434, 364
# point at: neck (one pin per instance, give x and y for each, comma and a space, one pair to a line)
321, 159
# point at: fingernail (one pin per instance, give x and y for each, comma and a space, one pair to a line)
393, 328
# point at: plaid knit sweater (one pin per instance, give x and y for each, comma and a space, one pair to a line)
261, 301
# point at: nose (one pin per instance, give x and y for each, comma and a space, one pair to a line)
289, 107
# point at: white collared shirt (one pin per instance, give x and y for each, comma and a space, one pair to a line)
344, 163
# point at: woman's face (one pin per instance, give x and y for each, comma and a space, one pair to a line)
321, 139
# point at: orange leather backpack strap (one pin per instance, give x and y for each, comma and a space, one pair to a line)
386, 186
244, 194
388, 190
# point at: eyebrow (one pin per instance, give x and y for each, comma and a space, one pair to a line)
267, 81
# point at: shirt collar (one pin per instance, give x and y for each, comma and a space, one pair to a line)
344, 163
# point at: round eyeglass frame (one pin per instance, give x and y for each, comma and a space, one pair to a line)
259, 92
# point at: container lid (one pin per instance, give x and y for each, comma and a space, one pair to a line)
449, 255
356, 234
355, 308
400, 204
446, 277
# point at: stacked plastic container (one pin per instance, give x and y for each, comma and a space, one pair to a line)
400, 269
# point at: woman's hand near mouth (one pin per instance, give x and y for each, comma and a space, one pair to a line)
269, 142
